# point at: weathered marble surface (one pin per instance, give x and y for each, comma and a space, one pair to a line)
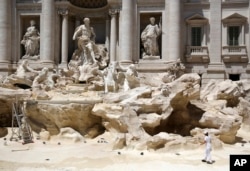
169, 114
31, 42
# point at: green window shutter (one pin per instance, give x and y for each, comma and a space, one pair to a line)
196, 36
233, 35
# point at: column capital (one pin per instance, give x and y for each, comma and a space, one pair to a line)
113, 12
63, 11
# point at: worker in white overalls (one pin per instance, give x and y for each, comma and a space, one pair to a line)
208, 150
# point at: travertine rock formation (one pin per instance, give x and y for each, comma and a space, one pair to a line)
171, 115
70, 134
244, 111
216, 115
7, 97
54, 116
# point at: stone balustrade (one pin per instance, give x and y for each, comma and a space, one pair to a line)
234, 54
197, 54
235, 50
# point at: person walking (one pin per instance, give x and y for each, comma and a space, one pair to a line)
207, 141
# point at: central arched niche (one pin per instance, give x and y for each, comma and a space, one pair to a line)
89, 3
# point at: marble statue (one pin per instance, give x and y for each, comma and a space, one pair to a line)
88, 72
89, 57
85, 36
31, 41
40, 78
131, 78
24, 75
23, 68
73, 66
174, 71
110, 78
149, 38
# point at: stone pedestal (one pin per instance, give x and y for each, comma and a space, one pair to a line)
151, 57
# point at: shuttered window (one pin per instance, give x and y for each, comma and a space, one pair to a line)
233, 35
196, 36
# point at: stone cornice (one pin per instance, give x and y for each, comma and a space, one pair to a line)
202, 3
150, 3
197, 19
29, 6
234, 18
235, 3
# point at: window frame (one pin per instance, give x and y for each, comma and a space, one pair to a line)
195, 39
231, 30
234, 20
197, 20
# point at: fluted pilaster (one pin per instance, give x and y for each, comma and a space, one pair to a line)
127, 30
174, 24
47, 31
5, 33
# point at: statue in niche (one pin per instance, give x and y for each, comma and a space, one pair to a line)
31, 42
85, 36
88, 57
149, 38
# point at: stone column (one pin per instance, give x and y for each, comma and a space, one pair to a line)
107, 32
175, 32
65, 40
215, 31
224, 35
189, 35
113, 36
243, 35
204, 40
77, 23
47, 32
5, 33
127, 29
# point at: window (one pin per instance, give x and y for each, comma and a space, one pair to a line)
234, 32
196, 42
196, 36
233, 35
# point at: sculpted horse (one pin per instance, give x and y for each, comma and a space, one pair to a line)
110, 78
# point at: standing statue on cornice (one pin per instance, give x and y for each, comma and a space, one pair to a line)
31, 42
149, 37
